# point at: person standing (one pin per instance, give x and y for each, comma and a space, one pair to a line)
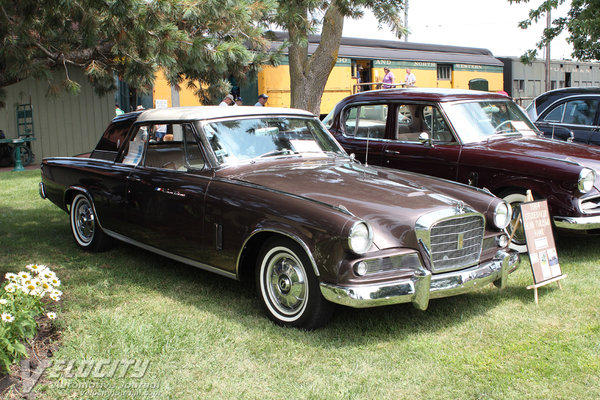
262, 100
239, 101
410, 80
118, 110
227, 101
388, 79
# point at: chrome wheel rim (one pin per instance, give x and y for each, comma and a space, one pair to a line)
84, 221
285, 282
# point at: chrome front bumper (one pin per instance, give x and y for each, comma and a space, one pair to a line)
577, 223
423, 285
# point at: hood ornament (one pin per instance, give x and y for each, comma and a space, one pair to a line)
460, 207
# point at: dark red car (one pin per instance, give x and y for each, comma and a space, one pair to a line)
477, 138
268, 195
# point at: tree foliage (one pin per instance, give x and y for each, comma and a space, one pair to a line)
198, 42
582, 23
301, 18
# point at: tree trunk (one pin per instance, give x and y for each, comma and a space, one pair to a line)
309, 74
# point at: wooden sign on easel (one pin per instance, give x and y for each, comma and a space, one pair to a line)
540, 244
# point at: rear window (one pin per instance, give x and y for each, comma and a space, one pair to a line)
114, 136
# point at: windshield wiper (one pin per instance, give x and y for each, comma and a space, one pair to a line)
278, 153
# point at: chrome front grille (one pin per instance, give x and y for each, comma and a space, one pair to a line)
590, 205
456, 243
452, 238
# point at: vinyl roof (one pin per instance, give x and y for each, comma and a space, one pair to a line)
212, 112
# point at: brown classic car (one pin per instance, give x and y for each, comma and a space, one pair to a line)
268, 195
477, 138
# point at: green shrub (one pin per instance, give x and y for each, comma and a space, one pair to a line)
23, 297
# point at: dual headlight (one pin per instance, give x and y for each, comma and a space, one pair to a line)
502, 215
587, 177
360, 238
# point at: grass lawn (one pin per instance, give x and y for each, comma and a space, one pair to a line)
204, 336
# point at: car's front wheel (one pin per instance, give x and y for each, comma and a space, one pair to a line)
86, 231
515, 199
288, 287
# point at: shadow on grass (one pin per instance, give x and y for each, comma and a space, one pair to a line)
46, 237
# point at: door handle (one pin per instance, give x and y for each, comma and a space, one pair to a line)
392, 152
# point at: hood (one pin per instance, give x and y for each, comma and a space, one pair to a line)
547, 149
390, 201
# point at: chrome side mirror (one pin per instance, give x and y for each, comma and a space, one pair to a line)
425, 139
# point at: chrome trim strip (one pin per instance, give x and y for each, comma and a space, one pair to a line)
170, 255
291, 236
577, 223
423, 286
42, 190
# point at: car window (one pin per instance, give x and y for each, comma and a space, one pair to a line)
164, 146
414, 119
580, 112
233, 141
366, 121
556, 114
436, 126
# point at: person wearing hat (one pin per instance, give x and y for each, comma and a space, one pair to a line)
227, 101
238, 102
388, 79
262, 100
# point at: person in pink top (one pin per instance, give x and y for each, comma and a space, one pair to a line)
388, 79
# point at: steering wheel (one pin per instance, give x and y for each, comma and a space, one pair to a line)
502, 124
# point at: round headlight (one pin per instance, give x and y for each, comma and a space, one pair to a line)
360, 238
586, 180
502, 215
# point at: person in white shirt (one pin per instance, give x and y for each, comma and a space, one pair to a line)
227, 101
410, 80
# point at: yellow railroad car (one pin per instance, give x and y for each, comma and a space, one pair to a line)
433, 65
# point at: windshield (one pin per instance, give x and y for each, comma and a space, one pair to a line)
246, 139
479, 121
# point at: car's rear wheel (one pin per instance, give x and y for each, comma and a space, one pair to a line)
86, 231
288, 287
515, 199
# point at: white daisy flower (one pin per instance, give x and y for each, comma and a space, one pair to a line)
29, 288
54, 297
6, 317
10, 288
3, 302
35, 268
11, 277
55, 281
24, 275
51, 315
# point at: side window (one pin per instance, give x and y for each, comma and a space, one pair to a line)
193, 155
580, 112
409, 123
556, 114
414, 119
134, 149
436, 126
366, 121
167, 148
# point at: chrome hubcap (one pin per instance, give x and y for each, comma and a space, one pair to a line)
84, 221
286, 283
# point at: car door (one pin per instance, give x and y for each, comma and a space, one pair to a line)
166, 192
576, 117
421, 141
363, 131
